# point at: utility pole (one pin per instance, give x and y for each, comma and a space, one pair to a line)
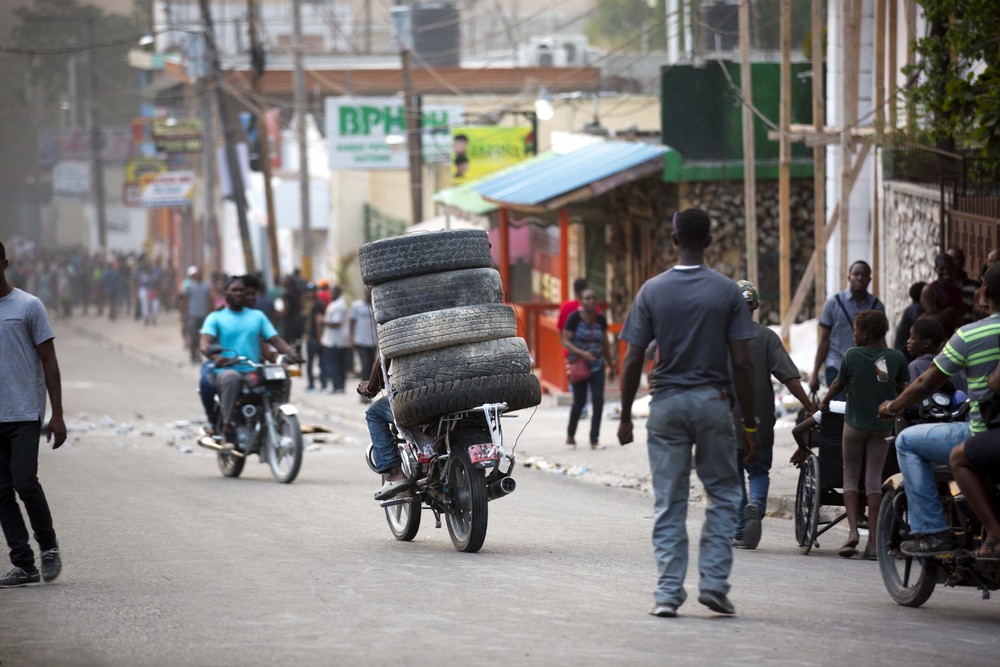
260, 111
301, 101
819, 157
749, 147
404, 35
96, 143
208, 170
229, 135
848, 117
785, 167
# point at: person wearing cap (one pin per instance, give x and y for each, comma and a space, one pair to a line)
194, 304
323, 292
769, 359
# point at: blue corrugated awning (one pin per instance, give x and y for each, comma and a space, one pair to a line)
577, 176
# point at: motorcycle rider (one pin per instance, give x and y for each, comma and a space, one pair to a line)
974, 348
975, 464
239, 330
379, 418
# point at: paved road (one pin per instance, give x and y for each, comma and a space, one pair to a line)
167, 563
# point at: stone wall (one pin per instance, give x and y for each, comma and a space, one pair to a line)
910, 242
723, 200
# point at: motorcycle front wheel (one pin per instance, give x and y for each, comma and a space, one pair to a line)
468, 515
285, 455
909, 581
404, 520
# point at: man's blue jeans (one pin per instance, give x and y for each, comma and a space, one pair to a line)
758, 478
379, 417
700, 415
918, 448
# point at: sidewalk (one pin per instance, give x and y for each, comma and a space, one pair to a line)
537, 436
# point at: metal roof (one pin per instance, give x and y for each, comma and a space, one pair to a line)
465, 198
564, 179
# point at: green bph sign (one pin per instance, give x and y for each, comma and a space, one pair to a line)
370, 132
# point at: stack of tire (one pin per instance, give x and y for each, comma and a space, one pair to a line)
441, 321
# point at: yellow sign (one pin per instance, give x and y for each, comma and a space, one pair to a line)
480, 151
136, 169
176, 128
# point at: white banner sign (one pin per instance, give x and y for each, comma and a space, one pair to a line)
370, 132
71, 179
171, 188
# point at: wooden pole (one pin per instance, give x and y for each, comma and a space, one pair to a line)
848, 116
910, 7
413, 142
880, 12
504, 233
785, 164
749, 148
564, 254
260, 111
301, 101
229, 133
819, 156
893, 66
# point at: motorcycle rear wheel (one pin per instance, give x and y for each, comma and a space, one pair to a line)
468, 516
909, 581
231, 466
285, 456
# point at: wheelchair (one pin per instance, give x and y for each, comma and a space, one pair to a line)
821, 479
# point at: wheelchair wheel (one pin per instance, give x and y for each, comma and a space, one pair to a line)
807, 501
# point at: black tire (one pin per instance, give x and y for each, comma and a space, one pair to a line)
420, 254
404, 520
909, 581
442, 328
285, 456
231, 466
468, 516
506, 356
434, 400
436, 291
807, 503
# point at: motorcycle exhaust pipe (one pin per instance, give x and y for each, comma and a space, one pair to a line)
500, 488
249, 411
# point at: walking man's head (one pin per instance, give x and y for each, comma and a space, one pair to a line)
3, 257
859, 276
579, 285
692, 229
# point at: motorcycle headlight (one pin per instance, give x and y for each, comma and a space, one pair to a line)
275, 373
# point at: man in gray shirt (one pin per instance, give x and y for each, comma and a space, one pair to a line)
195, 305
700, 323
28, 367
836, 322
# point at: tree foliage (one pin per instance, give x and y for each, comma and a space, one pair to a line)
957, 89
50, 36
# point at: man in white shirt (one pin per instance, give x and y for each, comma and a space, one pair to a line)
334, 341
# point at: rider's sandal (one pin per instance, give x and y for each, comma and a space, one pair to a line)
988, 551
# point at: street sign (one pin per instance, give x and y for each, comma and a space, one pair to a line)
171, 188
177, 135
